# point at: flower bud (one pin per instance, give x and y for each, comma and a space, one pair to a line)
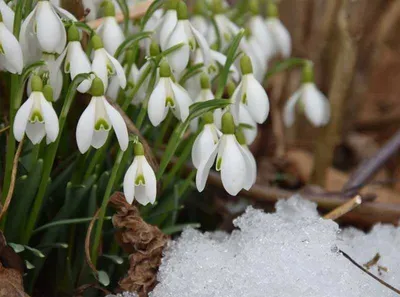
73, 33
97, 43
246, 65
182, 11
97, 88
109, 9
154, 49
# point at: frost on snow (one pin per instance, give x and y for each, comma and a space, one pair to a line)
292, 252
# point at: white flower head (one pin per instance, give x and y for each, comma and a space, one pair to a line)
184, 33
167, 23
36, 117
198, 20
110, 31
97, 120
8, 15
311, 101
251, 94
75, 61
140, 181
205, 141
11, 58
166, 96
247, 124
282, 42
237, 170
205, 94
43, 30
104, 65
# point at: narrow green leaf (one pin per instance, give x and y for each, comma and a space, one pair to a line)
30, 68
190, 72
125, 11
34, 251
179, 228
285, 65
103, 278
60, 245
85, 27
129, 41
152, 8
199, 108
18, 248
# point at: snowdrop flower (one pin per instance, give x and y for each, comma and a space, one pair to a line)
168, 23
205, 141
50, 74
252, 48
237, 170
251, 164
75, 60
280, 35
140, 181
248, 125
11, 57
314, 104
251, 94
186, 34
105, 65
204, 95
8, 15
97, 120
168, 95
109, 31
36, 117
198, 20
44, 30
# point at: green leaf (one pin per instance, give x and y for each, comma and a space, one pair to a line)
284, 65
125, 11
230, 59
18, 248
59, 245
103, 278
85, 27
179, 228
30, 68
34, 251
150, 11
116, 259
190, 72
129, 41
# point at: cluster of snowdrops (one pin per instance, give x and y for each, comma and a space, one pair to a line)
185, 57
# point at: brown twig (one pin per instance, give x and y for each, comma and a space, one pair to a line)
87, 242
136, 11
12, 182
4, 129
343, 209
369, 273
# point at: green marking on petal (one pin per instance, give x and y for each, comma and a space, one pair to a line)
110, 70
192, 44
102, 124
227, 37
244, 98
169, 102
36, 116
2, 49
67, 67
140, 180
219, 164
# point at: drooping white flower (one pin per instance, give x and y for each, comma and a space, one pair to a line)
198, 20
43, 30
205, 141
184, 33
168, 23
140, 182
36, 117
231, 159
104, 65
110, 31
204, 95
252, 48
166, 96
312, 102
248, 125
251, 94
97, 120
113, 88
49, 73
75, 60
8, 15
251, 164
11, 57
282, 42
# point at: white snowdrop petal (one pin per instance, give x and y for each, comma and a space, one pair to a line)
129, 182
50, 119
64, 13
50, 29
203, 145
202, 42
168, 24
236, 102
257, 100
85, 127
99, 66
28, 40
245, 118
35, 132
99, 138
141, 195
150, 181
314, 105
233, 167
12, 50
156, 108
118, 123
281, 36
221, 59
289, 111
21, 119
204, 168
79, 64
8, 15
200, 23
111, 34
183, 101
179, 58
113, 89
119, 70
251, 168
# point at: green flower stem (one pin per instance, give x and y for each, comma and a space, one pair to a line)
50, 155
164, 128
106, 197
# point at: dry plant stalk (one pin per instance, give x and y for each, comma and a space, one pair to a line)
345, 61
144, 243
343, 209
